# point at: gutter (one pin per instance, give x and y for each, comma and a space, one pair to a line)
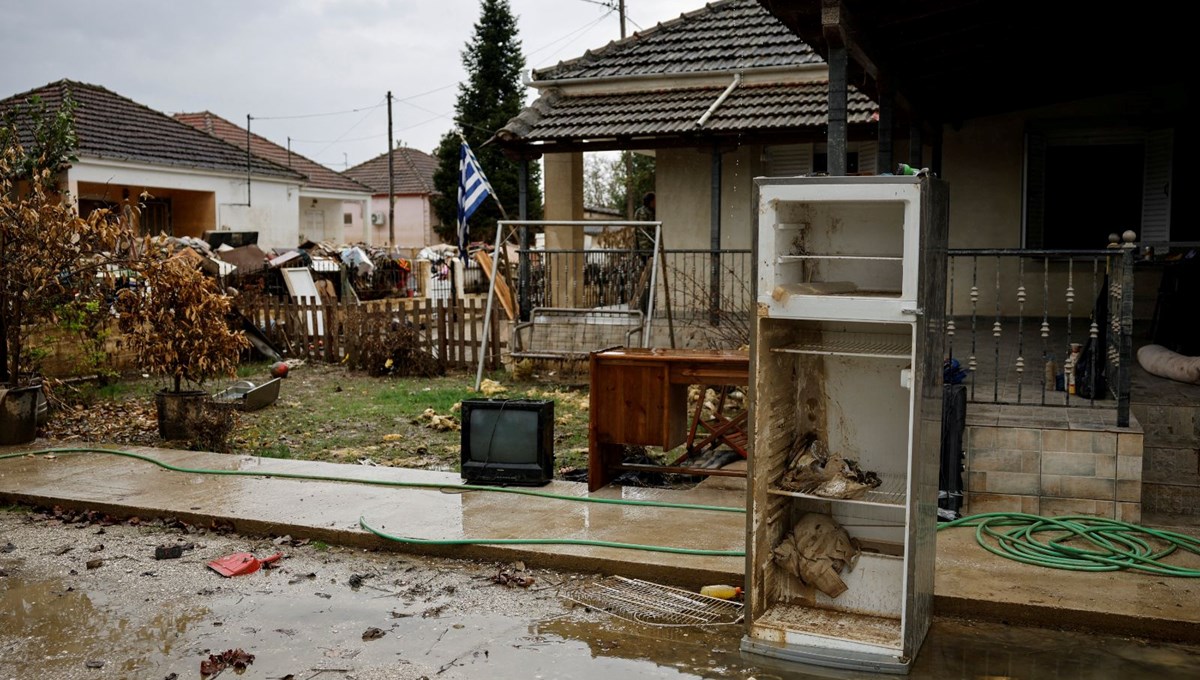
737, 80
528, 80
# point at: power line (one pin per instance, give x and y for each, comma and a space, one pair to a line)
318, 115
568, 36
348, 131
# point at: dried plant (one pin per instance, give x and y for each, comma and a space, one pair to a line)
49, 255
178, 323
211, 426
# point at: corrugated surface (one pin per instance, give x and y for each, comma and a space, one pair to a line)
319, 176
414, 172
730, 35
554, 116
113, 127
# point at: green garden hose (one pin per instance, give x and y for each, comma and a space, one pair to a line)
438, 487
1079, 543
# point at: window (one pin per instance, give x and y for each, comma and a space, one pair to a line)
347, 218
1083, 184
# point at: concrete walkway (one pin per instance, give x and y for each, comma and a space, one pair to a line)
971, 582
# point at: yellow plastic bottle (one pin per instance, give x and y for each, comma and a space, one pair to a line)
721, 592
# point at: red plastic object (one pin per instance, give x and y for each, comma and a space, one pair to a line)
279, 370
239, 564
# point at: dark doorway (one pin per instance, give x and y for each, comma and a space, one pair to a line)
1092, 191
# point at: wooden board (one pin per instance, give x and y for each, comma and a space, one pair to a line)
503, 292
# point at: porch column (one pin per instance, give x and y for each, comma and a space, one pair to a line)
714, 284
915, 152
564, 202
836, 135
523, 245
884, 159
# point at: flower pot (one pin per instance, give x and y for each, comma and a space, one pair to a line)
175, 410
18, 414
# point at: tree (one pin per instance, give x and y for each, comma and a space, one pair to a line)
604, 180
490, 96
49, 255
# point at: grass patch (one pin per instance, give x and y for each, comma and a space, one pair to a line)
319, 546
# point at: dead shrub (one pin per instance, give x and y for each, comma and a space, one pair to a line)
212, 427
398, 352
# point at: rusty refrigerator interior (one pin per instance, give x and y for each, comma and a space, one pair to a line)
846, 356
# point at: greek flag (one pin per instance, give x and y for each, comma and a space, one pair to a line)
473, 190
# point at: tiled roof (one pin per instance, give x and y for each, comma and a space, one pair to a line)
414, 172
722, 36
112, 127
319, 176
749, 108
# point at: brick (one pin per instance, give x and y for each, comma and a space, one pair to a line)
1106, 466
997, 460
1051, 485
981, 437
1012, 483
995, 502
1087, 487
1018, 438
1129, 512
1130, 467
1054, 440
1129, 491
1129, 445
1053, 507
977, 481
1104, 442
1061, 463
1171, 466
1184, 500
1031, 461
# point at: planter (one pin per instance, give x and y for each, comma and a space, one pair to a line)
175, 410
18, 414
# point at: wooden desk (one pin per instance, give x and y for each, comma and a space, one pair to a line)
639, 397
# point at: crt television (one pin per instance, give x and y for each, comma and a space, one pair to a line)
508, 441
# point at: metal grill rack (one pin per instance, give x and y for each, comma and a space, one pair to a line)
652, 603
875, 345
890, 493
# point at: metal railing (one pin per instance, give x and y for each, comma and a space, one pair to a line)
693, 284
1073, 304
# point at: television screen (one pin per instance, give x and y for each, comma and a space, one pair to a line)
499, 436
508, 441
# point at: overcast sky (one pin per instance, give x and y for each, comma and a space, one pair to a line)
271, 58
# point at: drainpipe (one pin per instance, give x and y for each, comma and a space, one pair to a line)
523, 249
836, 135
737, 80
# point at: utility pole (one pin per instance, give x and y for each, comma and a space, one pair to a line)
247, 160
621, 13
289, 152
391, 178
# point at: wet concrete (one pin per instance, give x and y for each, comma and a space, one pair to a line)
971, 582
60, 631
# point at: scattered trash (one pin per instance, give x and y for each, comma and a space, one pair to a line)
239, 564
5, 573
438, 422
490, 387
816, 552
721, 592
94, 664
513, 575
324, 595
301, 579
168, 552
288, 540
652, 603
63, 550
7, 547
95, 564
373, 633
96, 548
813, 469
279, 369
392, 437
356, 580
236, 659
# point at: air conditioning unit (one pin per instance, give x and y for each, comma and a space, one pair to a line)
378, 218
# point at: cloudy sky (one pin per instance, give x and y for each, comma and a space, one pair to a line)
277, 59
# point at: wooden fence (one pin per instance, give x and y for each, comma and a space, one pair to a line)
450, 330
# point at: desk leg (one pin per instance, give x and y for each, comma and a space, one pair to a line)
601, 459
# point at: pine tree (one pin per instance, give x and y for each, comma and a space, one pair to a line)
491, 95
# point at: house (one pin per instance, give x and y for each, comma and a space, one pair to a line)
187, 182
331, 205
412, 189
1054, 129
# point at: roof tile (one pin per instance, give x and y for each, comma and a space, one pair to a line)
414, 172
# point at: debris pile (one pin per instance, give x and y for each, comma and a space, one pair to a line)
817, 551
513, 576
438, 422
813, 469
237, 659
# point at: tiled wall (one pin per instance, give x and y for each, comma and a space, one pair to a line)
1052, 461
1172, 469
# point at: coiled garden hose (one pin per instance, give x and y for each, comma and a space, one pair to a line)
453, 488
1079, 543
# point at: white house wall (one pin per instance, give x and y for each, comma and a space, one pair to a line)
413, 219
683, 181
274, 212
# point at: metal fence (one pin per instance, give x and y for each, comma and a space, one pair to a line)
1071, 310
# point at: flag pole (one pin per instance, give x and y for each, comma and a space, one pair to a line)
487, 316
